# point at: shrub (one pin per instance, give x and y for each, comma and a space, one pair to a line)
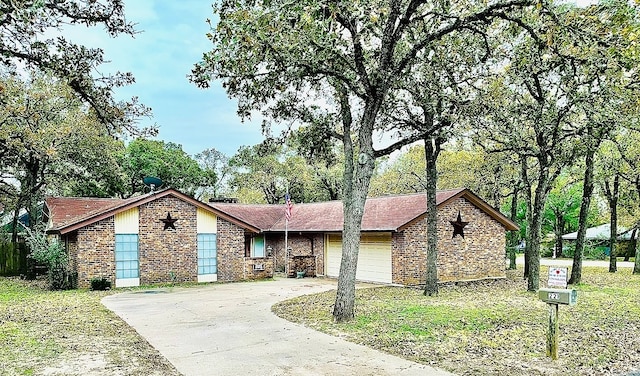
100, 284
52, 254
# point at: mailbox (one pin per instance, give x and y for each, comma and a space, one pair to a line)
558, 296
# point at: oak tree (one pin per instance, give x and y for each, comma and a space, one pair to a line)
338, 59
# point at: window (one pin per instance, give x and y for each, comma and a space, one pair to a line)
258, 246
207, 254
127, 265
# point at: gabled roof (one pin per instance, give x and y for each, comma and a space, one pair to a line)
387, 213
602, 232
67, 214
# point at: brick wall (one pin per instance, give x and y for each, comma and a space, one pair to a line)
71, 245
167, 255
94, 253
230, 251
251, 273
479, 255
300, 245
408, 255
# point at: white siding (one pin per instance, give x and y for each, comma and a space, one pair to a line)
127, 222
207, 222
374, 257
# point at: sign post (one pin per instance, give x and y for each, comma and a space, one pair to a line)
554, 297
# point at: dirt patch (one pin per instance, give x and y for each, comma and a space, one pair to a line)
69, 333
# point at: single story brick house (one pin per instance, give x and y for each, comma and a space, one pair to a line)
393, 240
161, 236
167, 236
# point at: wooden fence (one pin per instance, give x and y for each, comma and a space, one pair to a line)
13, 259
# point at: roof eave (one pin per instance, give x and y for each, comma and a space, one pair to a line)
67, 228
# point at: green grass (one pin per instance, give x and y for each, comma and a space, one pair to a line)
65, 331
492, 328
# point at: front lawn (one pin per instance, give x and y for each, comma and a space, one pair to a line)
68, 333
492, 328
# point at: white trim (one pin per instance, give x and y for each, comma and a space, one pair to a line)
207, 278
127, 282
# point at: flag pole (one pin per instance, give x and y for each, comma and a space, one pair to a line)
287, 216
286, 247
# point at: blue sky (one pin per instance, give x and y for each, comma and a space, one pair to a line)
171, 39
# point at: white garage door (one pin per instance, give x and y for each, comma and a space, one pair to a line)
374, 257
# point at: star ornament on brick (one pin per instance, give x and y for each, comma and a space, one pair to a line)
458, 226
169, 222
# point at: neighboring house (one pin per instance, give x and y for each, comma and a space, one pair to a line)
602, 232
168, 236
598, 238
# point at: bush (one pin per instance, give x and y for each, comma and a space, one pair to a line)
53, 255
100, 284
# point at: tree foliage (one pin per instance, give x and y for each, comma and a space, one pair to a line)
164, 160
47, 140
215, 168
334, 65
24, 25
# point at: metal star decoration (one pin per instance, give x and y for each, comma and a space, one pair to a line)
168, 222
458, 226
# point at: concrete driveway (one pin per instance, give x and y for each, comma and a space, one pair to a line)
228, 329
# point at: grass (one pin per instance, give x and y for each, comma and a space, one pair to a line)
68, 333
492, 328
487, 328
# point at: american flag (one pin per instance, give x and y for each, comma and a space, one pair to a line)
288, 206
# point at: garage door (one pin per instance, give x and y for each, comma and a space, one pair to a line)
374, 257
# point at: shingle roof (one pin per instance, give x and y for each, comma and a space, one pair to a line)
602, 232
67, 214
387, 213
65, 211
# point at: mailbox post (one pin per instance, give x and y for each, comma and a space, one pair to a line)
554, 297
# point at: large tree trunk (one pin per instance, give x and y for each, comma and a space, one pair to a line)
559, 230
14, 223
513, 235
544, 181
357, 176
527, 247
533, 243
587, 192
612, 196
636, 265
432, 149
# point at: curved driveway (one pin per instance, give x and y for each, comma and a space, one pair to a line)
229, 329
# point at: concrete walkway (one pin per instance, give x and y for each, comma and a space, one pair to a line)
229, 329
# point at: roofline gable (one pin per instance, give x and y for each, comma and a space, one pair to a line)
477, 201
73, 226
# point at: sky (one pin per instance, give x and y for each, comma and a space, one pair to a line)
171, 40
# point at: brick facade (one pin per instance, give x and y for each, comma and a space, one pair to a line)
92, 253
230, 251
307, 252
171, 255
164, 255
479, 255
167, 255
